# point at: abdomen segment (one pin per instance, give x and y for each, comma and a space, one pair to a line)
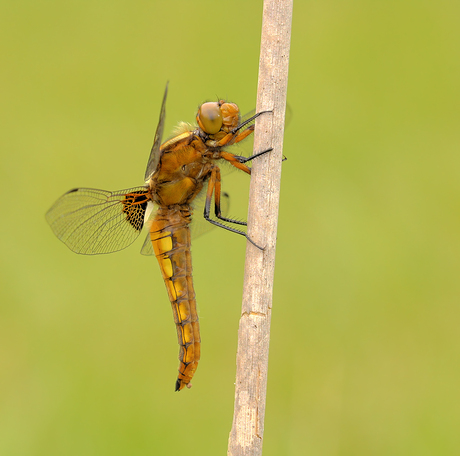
170, 235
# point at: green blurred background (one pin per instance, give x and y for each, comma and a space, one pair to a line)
365, 344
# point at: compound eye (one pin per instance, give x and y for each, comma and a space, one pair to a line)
209, 118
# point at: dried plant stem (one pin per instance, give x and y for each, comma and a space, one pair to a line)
254, 331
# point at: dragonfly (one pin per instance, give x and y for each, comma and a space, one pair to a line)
91, 221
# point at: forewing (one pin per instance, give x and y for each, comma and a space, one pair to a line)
154, 158
91, 221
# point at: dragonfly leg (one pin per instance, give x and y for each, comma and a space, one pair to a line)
246, 159
214, 187
234, 137
217, 194
239, 162
243, 124
234, 160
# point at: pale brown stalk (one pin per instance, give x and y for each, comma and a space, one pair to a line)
254, 330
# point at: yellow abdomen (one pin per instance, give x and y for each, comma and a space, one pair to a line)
170, 235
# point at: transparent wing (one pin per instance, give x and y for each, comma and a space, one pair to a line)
91, 221
147, 248
199, 225
154, 158
247, 115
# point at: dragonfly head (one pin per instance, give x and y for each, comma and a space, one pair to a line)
209, 117
213, 117
230, 116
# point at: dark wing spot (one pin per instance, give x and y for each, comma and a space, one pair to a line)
134, 206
